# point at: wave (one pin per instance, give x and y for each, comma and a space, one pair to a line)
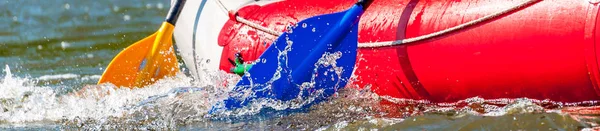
56, 77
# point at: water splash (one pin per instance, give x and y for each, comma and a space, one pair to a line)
308, 93
22, 101
172, 104
181, 102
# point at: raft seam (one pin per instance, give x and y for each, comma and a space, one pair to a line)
590, 38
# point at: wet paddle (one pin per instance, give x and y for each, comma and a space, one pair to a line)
306, 64
147, 60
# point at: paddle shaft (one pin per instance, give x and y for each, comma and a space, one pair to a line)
151, 65
364, 3
175, 11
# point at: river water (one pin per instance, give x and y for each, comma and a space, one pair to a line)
50, 49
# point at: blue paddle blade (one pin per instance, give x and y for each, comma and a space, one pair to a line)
308, 63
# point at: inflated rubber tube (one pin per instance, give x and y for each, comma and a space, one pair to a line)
546, 50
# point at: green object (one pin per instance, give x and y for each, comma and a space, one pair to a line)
240, 68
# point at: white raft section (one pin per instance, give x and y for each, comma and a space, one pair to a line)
197, 31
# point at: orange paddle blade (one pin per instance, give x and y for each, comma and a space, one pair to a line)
144, 62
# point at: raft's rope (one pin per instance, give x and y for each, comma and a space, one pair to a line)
403, 41
257, 26
223, 8
250, 23
446, 31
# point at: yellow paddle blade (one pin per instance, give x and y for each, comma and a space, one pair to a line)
144, 62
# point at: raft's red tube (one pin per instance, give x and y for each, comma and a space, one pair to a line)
543, 51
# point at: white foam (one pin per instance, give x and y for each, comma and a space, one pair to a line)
57, 77
67, 6
91, 77
7, 72
159, 5
65, 45
23, 101
126, 17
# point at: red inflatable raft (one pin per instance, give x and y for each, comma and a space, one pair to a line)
543, 50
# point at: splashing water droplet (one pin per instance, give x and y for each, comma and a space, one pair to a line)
304, 25
159, 6
8, 73
126, 17
115, 8
64, 45
289, 29
314, 29
67, 6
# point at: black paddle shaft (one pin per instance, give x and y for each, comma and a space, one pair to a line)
175, 11
364, 3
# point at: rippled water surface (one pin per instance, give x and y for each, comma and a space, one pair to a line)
51, 49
